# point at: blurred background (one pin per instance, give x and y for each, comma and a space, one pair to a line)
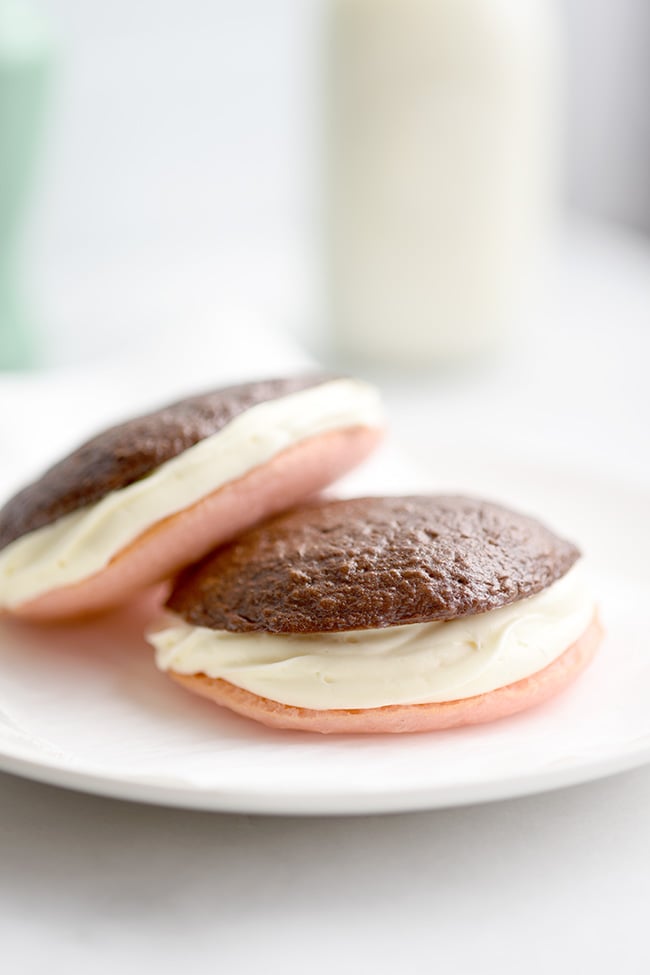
345, 170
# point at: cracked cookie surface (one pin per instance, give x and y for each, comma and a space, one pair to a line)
363, 563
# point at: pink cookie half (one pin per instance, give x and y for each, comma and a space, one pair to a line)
188, 535
407, 718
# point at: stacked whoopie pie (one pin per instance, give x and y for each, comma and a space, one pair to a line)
373, 614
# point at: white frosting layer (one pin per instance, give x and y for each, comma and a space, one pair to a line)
414, 664
82, 543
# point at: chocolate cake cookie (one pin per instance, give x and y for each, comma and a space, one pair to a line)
372, 562
130, 451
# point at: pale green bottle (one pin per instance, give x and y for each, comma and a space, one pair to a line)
25, 56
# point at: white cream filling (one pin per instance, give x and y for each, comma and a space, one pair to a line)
414, 664
82, 543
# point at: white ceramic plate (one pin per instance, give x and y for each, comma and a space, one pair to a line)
84, 707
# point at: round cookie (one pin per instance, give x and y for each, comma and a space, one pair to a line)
382, 614
371, 562
144, 498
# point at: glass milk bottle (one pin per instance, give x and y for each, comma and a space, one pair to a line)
439, 171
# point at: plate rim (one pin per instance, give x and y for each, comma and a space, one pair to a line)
255, 801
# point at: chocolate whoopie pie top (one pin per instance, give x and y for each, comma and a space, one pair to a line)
130, 451
366, 563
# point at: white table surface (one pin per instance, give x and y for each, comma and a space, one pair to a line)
552, 883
